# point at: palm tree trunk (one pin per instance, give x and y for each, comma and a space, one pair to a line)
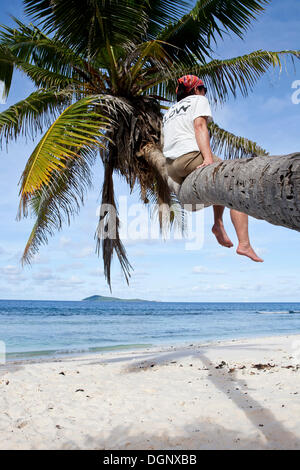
266, 188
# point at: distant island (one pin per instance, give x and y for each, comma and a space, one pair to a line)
101, 298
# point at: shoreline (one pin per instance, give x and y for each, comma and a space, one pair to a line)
162, 347
235, 394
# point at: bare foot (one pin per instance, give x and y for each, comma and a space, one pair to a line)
219, 231
247, 250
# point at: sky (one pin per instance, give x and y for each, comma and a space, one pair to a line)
67, 268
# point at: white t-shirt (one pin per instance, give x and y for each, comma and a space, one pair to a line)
178, 125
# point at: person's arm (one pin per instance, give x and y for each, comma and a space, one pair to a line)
203, 140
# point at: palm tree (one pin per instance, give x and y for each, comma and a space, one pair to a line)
104, 71
266, 188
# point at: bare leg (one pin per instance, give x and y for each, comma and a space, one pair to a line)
240, 222
218, 228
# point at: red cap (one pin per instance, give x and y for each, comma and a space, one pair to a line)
190, 82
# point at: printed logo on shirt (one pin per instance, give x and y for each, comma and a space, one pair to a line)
178, 111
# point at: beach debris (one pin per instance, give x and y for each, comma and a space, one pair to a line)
221, 365
62, 373
7, 382
21, 424
293, 368
58, 426
79, 390
261, 425
231, 370
263, 366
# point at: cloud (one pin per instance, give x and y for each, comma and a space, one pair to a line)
72, 282
204, 270
137, 274
40, 259
64, 242
70, 266
12, 274
261, 251
84, 252
42, 276
139, 253
276, 105
10, 270
96, 272
202, 288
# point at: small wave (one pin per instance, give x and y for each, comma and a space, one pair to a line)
273, 312
25, 355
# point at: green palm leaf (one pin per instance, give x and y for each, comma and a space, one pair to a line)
79, 126
30, 116
59, 201
45, 78
231, 145
86, 25
6, 70
190, 37
225, 77
33, 46
48, 61
162, 12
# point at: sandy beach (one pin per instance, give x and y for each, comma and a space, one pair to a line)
240, 394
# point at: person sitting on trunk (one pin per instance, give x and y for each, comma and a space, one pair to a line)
187, 147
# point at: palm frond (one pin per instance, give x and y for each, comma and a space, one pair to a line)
225, 77
81, 125
46, 79
6, 71
85, 25
161, 13
59, 201
232, 146
191, 36
31, 115
28, 44
107, 233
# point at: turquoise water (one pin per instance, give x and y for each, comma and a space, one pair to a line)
47, 328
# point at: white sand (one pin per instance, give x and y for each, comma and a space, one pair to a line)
160, 398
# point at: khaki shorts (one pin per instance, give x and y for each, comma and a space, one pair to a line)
179, 168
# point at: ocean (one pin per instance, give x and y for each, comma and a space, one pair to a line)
41, 329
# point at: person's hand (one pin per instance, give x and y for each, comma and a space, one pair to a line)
205, 163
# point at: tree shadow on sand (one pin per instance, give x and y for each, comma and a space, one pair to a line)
271, 434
